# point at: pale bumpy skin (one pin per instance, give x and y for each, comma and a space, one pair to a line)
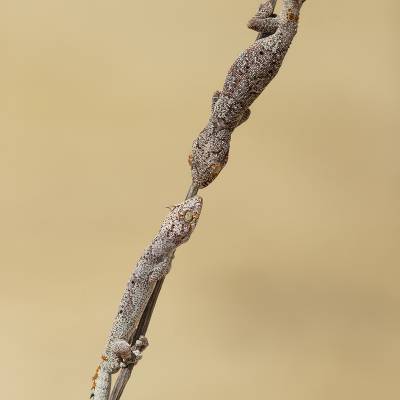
152, 266
252, 71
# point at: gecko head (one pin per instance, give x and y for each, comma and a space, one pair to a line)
187, 213
182, 220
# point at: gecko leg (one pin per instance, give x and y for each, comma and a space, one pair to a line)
136, 352
214, 99
244, 117
265, 21
160, 270
123, 352
122, 355
266, 26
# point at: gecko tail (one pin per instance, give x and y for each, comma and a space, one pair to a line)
101, 385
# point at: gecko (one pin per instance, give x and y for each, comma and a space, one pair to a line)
251, 72
152, 266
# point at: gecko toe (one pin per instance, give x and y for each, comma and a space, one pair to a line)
141, 343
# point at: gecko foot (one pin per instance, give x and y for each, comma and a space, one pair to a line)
265, 21
136, 352
141, 344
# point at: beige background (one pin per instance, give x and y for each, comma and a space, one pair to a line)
289, 289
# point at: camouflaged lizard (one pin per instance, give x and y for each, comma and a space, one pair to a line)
252, 71
152, 266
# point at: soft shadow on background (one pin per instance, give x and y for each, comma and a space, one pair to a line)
289, 288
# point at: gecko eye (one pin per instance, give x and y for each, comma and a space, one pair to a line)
188, 216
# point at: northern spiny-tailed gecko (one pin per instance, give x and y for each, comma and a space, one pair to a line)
152, 266
252, 71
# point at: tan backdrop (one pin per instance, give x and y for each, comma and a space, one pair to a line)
289, 288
